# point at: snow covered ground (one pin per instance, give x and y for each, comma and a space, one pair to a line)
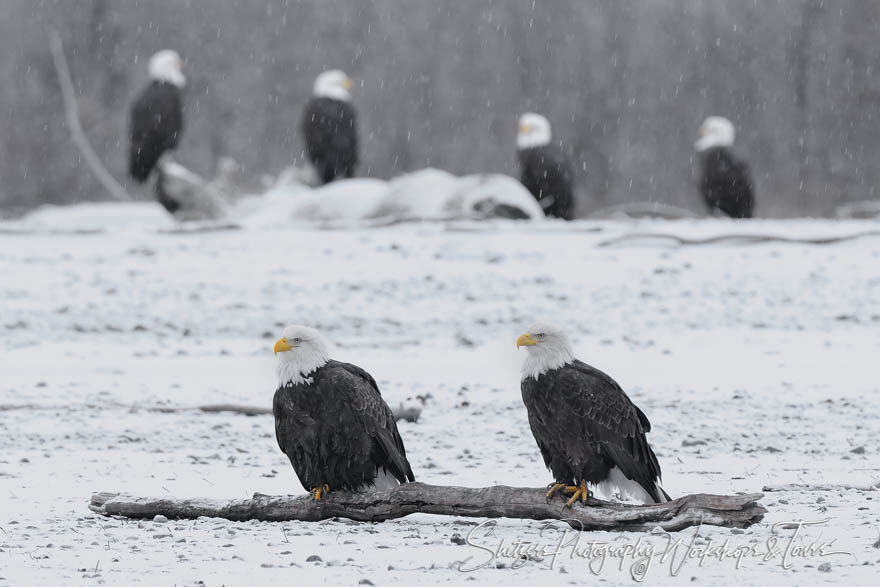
757, 364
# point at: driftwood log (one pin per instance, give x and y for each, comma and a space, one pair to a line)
736, 511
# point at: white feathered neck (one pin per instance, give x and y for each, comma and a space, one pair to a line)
552, 352
311, 352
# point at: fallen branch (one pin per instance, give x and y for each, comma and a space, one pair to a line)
410, 414
233, 408
819, 487
71, 111
737, 511
746, 238
643, 210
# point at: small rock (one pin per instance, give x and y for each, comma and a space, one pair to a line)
314, 558
737, 531
859, 450
457, 539
825, 567
820, 499
783, 501
877, 544
365, 582
160, 518
692, 442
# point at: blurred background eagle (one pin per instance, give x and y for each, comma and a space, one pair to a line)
725, 180
156, 115
329, 124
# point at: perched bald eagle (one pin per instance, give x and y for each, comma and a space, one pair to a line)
331, 420
725, 181
586, 427
543, 168
329, 125
157, 115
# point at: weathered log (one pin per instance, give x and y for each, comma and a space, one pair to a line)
737, 511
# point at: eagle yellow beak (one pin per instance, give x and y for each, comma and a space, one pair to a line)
526, 340
282, 346
348, 83
703, 130
525, 128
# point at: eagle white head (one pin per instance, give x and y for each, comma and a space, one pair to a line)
300, 351
534, 131
333, 84
166, 66
548, 348
716, 131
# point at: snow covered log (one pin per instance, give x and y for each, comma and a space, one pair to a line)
736, 511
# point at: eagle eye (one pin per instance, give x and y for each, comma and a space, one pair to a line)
297, 339
540, 335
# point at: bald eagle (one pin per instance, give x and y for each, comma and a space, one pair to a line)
586, 427
543, 168
331, 420
157, 115
329, 125
725, 181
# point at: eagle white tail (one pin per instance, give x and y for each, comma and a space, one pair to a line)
617, 484
384, 481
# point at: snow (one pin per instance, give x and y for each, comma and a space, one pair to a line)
756, 364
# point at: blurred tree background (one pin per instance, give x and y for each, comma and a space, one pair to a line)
441, 83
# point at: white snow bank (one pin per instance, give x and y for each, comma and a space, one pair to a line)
428, 194
91, 217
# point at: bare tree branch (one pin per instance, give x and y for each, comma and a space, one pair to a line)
71, 111
738, 511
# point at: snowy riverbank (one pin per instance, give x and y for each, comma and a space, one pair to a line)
756, 364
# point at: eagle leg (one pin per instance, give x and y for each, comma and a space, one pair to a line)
320, 491
556, 487
579, 493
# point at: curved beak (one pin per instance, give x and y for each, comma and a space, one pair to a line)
348, 83
524, 128
282, 346
526, 340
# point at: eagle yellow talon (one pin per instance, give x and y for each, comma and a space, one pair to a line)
320, 492
579, 493
557, 487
